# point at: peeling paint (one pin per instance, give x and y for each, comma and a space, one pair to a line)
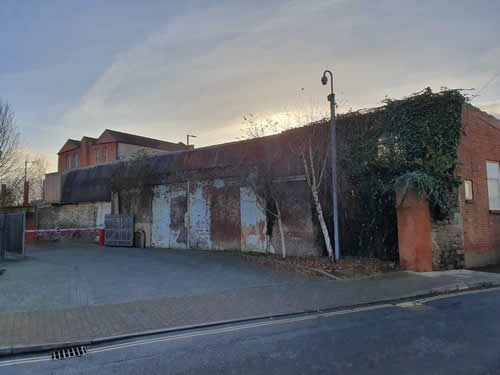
169, 206
253, 223
199, 231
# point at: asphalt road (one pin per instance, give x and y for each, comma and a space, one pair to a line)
451, 335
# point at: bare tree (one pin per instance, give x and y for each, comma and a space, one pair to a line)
310, 146
314, 154
14, 180
9, 140
269, 200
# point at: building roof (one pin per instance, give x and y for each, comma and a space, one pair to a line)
115, 136
138, 140
69, 145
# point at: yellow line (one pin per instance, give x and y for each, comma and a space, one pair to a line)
26, 360
451, 295
241, 327
235, 328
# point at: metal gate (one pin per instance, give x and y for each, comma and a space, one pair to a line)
119, 230
12, 233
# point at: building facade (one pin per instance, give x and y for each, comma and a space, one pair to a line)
110, 146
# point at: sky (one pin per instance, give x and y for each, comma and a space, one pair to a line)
164, 69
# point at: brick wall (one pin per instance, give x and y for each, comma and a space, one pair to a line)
448, 238
481, 227
87, 155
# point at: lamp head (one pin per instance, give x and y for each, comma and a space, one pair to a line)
324, 79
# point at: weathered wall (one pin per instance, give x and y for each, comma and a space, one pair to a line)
302, 236
481, 226
138, 202
52, 188
448, 238
219, 214
83, 215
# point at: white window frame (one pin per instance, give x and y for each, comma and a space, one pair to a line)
493, 178
96, 155
105, 154
468, 189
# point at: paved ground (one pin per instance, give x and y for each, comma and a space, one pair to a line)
453, 335
61, 297
62, 278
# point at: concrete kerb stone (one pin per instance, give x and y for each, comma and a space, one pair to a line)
450, 289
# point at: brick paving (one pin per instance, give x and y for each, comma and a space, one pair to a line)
24, 330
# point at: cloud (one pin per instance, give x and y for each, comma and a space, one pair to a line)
493, 108
203, 70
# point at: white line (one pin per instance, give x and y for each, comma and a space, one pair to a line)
26, 360
451, 295
243, 327
236, 328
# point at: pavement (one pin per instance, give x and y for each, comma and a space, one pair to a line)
426, 336
64, 297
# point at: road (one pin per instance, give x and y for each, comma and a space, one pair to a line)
457, 334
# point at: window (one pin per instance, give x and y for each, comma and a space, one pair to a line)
76, 160
96, 155
68, 161
105, 154
468, 190
493, 174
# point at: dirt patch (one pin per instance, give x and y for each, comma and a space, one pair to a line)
346, 268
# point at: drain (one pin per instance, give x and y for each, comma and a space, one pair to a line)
65, 353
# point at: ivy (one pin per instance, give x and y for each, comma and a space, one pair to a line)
407, 142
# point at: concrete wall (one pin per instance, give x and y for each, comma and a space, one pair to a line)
138, 202
52, 188
83, 215
220, 214
481, 226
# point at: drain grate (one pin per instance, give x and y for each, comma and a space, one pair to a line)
65, 353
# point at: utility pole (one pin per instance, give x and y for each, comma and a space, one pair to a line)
333, 146
190, 135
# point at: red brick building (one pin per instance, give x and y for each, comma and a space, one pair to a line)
479, 154
110, 146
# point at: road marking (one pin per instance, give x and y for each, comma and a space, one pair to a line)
248, 326
25, 360
235, 328
451, 295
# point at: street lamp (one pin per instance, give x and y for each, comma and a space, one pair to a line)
333, 146
190, 135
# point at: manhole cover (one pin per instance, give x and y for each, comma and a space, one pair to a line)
66, 353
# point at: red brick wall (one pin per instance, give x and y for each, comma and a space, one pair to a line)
480, 143
86, 155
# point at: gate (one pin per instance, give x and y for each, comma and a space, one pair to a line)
119, 230
12, 233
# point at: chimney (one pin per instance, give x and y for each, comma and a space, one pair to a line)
26, 193
4, 194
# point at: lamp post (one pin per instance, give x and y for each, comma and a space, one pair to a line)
333, 146
188, 136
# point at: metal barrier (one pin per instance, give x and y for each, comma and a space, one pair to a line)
12, 228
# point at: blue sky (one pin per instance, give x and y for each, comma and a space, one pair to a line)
167, 68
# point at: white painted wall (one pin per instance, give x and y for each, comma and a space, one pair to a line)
163, 235
199, 210
102, 209
253, 223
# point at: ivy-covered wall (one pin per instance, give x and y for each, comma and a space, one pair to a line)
407, 142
